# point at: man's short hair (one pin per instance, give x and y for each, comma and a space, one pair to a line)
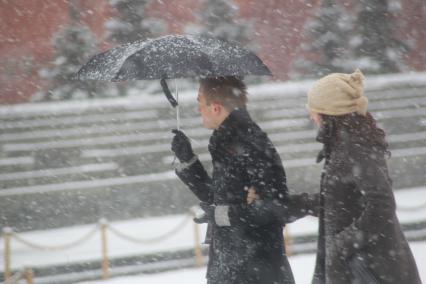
231, 92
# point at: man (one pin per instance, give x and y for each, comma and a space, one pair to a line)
246, 244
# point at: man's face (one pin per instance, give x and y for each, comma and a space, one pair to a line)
207, 111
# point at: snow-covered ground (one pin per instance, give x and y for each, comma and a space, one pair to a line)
302, 266
411, 208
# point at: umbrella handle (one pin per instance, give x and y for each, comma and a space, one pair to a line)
177, 107
167, 92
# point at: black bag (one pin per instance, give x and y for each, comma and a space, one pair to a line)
360, 271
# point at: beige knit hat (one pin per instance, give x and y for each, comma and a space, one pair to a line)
338, 94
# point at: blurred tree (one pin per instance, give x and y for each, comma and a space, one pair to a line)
328, 36
131, 24
73, 45
377, 49
219, 18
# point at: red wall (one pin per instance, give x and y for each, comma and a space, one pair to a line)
26, 29
415, 18
278, 31
277, 25
177, 14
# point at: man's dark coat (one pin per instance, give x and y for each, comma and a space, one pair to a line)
251, 249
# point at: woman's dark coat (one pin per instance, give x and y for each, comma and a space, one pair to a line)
357, 219
251, 249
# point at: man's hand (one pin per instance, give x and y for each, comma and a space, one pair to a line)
181, 146
208, 216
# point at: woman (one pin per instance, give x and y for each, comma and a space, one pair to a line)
360, 238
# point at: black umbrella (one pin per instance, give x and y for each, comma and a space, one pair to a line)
173, 56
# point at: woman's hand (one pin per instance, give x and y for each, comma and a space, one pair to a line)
252, 196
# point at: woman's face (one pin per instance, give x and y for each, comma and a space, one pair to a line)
316, 118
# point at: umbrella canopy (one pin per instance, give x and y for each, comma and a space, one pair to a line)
173, 56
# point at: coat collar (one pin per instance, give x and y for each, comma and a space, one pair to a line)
347, 138
237, 122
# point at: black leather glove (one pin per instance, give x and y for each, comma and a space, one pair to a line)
181, 146
312, 203
297, 206
208, 216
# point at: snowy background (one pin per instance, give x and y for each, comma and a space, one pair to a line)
410, 200
75, 152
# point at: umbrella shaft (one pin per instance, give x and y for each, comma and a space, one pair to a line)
177, 107
177, 118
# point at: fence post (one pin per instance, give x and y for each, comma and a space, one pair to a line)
287, 241
197, 245
29, 275
104, 239
7, 232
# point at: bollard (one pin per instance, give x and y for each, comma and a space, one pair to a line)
287, 241
29, 275
104, 239
7, 232
197, 246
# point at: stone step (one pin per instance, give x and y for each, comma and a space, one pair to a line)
55, 175
43, 146
74, 116
280, 120
64, 204
132, 160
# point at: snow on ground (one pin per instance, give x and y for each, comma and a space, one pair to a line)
302, 266
148, 228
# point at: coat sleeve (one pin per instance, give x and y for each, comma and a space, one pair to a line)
265, 210
301, 205
266, 174
372, 180
198, 181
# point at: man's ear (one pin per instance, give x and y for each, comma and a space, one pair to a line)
217, 108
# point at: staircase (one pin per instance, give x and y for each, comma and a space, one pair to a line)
69, 163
